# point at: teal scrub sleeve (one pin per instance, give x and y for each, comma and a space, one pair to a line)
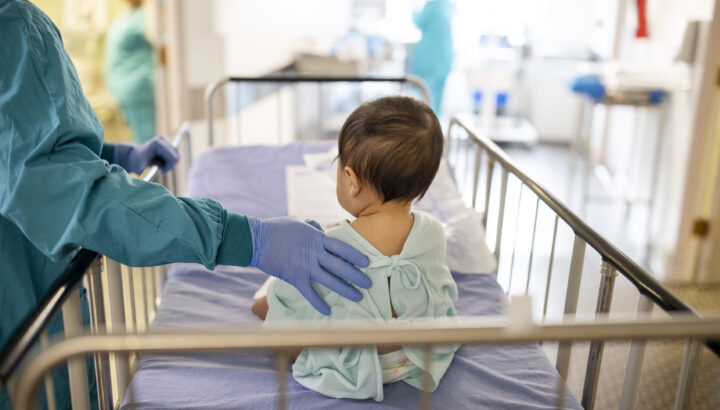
108, 152
61, 194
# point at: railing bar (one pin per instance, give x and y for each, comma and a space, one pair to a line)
550, 267
151, 294
48, 380
160, 277
641, 279
631, 384
466, 176
488, 184
592, 371
571, 298
77, 372
98, 326
532, 246
501, 215
688, 374
561, 393
117, 322
476, 174
281, 369
425, 395
515, 239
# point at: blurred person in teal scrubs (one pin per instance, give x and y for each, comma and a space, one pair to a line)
432, 56
130, 71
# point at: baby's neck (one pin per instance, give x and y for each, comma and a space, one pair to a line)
385, 225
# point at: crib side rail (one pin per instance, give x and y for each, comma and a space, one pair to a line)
613, 261
64, 295
468, 331
217, 85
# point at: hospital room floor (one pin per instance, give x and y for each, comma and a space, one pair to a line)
549, 165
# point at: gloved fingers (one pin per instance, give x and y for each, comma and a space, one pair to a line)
335, 284
315, 300
164, 150
346, 252
315, 224
344, 270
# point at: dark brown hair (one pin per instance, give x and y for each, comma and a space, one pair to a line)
394, 144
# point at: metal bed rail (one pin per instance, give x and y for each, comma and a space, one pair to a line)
125, 287
478, 146
468, 331
215, 86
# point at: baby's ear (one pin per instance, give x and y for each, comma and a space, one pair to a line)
354, 185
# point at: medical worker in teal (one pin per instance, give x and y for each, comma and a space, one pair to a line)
130, 71
433, 55
61, 188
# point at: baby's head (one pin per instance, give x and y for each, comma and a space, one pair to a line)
389, 150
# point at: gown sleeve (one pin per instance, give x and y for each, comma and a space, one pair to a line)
61, 194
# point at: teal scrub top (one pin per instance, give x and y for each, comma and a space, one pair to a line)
433, 54
129, 63
58, 191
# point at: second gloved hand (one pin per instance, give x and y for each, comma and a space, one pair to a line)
135, 158
299, 253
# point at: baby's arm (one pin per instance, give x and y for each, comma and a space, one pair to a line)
260, 307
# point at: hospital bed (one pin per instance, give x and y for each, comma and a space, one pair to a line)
184, 337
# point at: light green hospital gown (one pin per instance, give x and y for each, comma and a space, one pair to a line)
420, 287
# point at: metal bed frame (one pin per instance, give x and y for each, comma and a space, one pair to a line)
117, 339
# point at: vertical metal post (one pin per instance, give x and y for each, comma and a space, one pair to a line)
97, 322
129, 300
501, 215
515, 239
561, 393
279, 114
160, 277
425, 397
688, 373
281, 369
571, 298
634, 362
77, 372
48, 380
117, 323
466, 179
488, 184
532, 246
592, 372
550, 267
448, 146
149, 281
476, 174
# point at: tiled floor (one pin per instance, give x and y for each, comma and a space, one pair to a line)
549, 166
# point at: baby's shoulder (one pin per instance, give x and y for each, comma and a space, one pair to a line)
428, 226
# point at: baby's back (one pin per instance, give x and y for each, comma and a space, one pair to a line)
415, 283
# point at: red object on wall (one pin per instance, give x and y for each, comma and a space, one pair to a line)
642, 30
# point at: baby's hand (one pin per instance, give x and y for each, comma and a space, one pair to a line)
260, 307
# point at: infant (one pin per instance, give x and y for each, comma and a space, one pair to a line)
389, 152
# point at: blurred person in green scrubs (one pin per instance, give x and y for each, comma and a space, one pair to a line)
130, 71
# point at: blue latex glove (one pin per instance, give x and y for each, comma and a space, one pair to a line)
135, 158
299, 252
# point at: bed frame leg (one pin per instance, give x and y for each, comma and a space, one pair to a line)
592, 372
